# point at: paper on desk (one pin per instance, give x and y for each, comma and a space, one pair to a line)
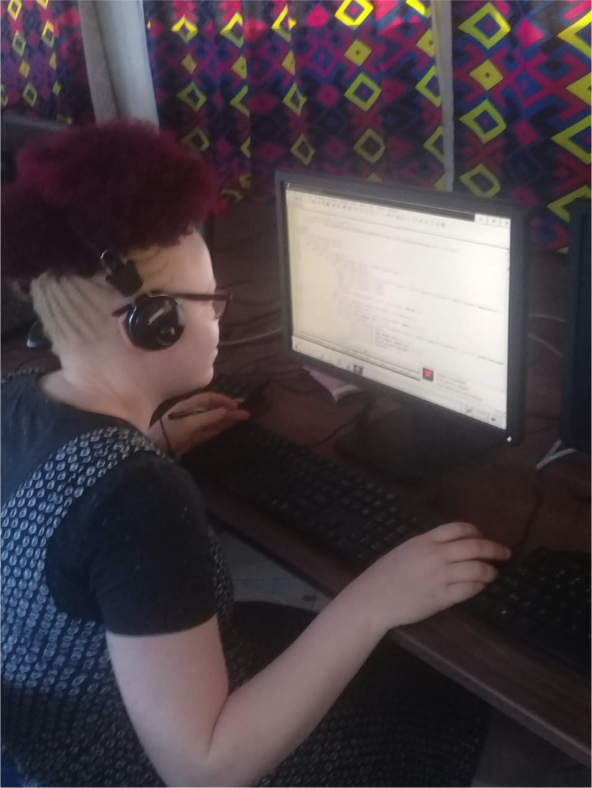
337, 388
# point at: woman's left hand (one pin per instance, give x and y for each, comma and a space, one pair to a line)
183, 434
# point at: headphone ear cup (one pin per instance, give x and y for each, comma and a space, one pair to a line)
155, 322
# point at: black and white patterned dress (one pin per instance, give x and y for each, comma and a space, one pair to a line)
63, 719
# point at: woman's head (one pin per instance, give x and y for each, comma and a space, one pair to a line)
128, 187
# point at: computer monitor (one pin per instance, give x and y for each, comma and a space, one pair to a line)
410, 292
575, 405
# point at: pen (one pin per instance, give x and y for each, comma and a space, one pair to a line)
184, 413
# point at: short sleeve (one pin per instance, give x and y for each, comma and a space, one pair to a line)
150, 570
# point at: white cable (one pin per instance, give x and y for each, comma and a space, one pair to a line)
546, 344
555, 318
255, 338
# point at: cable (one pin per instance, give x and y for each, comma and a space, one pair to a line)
546, 344
555, 318
166, 437
248, 322
364, 410
535, 510
255, 338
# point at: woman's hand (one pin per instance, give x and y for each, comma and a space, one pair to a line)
179, 435
426, 575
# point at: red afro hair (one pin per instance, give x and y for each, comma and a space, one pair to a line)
122, 184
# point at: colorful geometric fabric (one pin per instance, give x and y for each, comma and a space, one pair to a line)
43, 67
522, 106
335, 87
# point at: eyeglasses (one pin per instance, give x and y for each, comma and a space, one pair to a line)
219, 301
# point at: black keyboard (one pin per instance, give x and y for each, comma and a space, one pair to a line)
359, 520
544, 600
336, 507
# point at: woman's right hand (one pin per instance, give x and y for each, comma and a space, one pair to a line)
427, 574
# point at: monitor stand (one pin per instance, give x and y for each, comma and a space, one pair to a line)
413, 443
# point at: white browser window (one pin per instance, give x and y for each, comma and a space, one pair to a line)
408, 298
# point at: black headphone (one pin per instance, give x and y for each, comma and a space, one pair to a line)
154, 321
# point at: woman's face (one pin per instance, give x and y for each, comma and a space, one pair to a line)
187, 268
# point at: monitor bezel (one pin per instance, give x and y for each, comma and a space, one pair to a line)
576, 261
411, 198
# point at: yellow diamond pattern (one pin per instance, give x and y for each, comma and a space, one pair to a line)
236, 195
470, 120
240, 67
350, 21
3, 96
289, 63
469, 26
236, 102
350, 93
48, 35
303, 150
422, 87
357, 52
581, 88
65, 119
487, 75
440, 184
53, 61
56, 88
481, 169
559, 206
571, 34
192, 96
430, 144
24, 69
245, 181
564, 138
227, 32
14, 8
374, 178
426, 43
189, 64
246, 148
277, 25
197, 139
19, 44
419, 7
294, 100
30, 94
43, 3
370, 134
185, 29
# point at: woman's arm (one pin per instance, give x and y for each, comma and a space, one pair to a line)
175, 687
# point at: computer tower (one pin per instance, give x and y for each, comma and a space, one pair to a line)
575, 405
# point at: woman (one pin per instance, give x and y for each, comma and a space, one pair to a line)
122, 662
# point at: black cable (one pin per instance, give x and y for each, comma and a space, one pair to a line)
166, 437
363, 412
534, 511
251, 320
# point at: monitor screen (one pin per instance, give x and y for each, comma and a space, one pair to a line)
413, 297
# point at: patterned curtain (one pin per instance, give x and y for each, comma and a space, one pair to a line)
522, 106
336, 87
43, 68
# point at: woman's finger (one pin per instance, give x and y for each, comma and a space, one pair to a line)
452, 531
476, 549
471, 572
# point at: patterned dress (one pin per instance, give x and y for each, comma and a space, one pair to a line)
63, 719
